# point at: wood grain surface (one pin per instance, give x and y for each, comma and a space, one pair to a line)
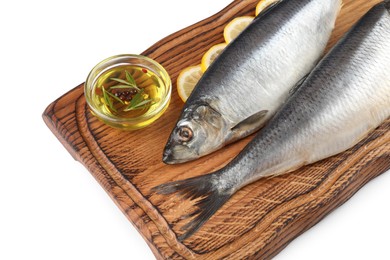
260, 219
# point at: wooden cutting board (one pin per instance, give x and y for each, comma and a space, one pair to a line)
260, 219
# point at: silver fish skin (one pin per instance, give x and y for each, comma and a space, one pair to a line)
346, 96
249, 81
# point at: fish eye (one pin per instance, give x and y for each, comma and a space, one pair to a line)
185, 134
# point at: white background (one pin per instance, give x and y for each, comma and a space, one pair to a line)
50, 205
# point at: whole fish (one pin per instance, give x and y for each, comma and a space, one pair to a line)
249, 81
345, 97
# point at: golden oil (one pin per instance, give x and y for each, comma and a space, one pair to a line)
147, 81
128, 95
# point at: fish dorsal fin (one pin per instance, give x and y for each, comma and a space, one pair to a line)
297, 86
252, 122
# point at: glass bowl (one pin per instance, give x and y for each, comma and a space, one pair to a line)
128, 91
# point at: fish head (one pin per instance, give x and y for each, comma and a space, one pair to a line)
199, 131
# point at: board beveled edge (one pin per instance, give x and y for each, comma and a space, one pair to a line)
75, 146
117, 192
60, 130
119, 196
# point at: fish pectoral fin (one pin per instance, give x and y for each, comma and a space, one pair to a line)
250, 124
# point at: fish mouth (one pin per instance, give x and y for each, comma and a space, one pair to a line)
168, 157
177, 154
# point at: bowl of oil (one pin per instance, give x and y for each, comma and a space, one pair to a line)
128, 91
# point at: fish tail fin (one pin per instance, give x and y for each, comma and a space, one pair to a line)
210, 199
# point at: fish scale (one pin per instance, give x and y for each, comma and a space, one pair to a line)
251, 78
328, 104
344, 98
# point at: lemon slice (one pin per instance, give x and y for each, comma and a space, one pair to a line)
187, 80
263, 4
235, 27
211, 54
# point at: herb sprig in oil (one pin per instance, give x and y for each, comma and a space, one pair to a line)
126, 95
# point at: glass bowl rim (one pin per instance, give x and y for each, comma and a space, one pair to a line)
121, 57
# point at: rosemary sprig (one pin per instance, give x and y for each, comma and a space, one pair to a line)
120, 87
130, 78
129, 82
137, 101
115, 97
107, 99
